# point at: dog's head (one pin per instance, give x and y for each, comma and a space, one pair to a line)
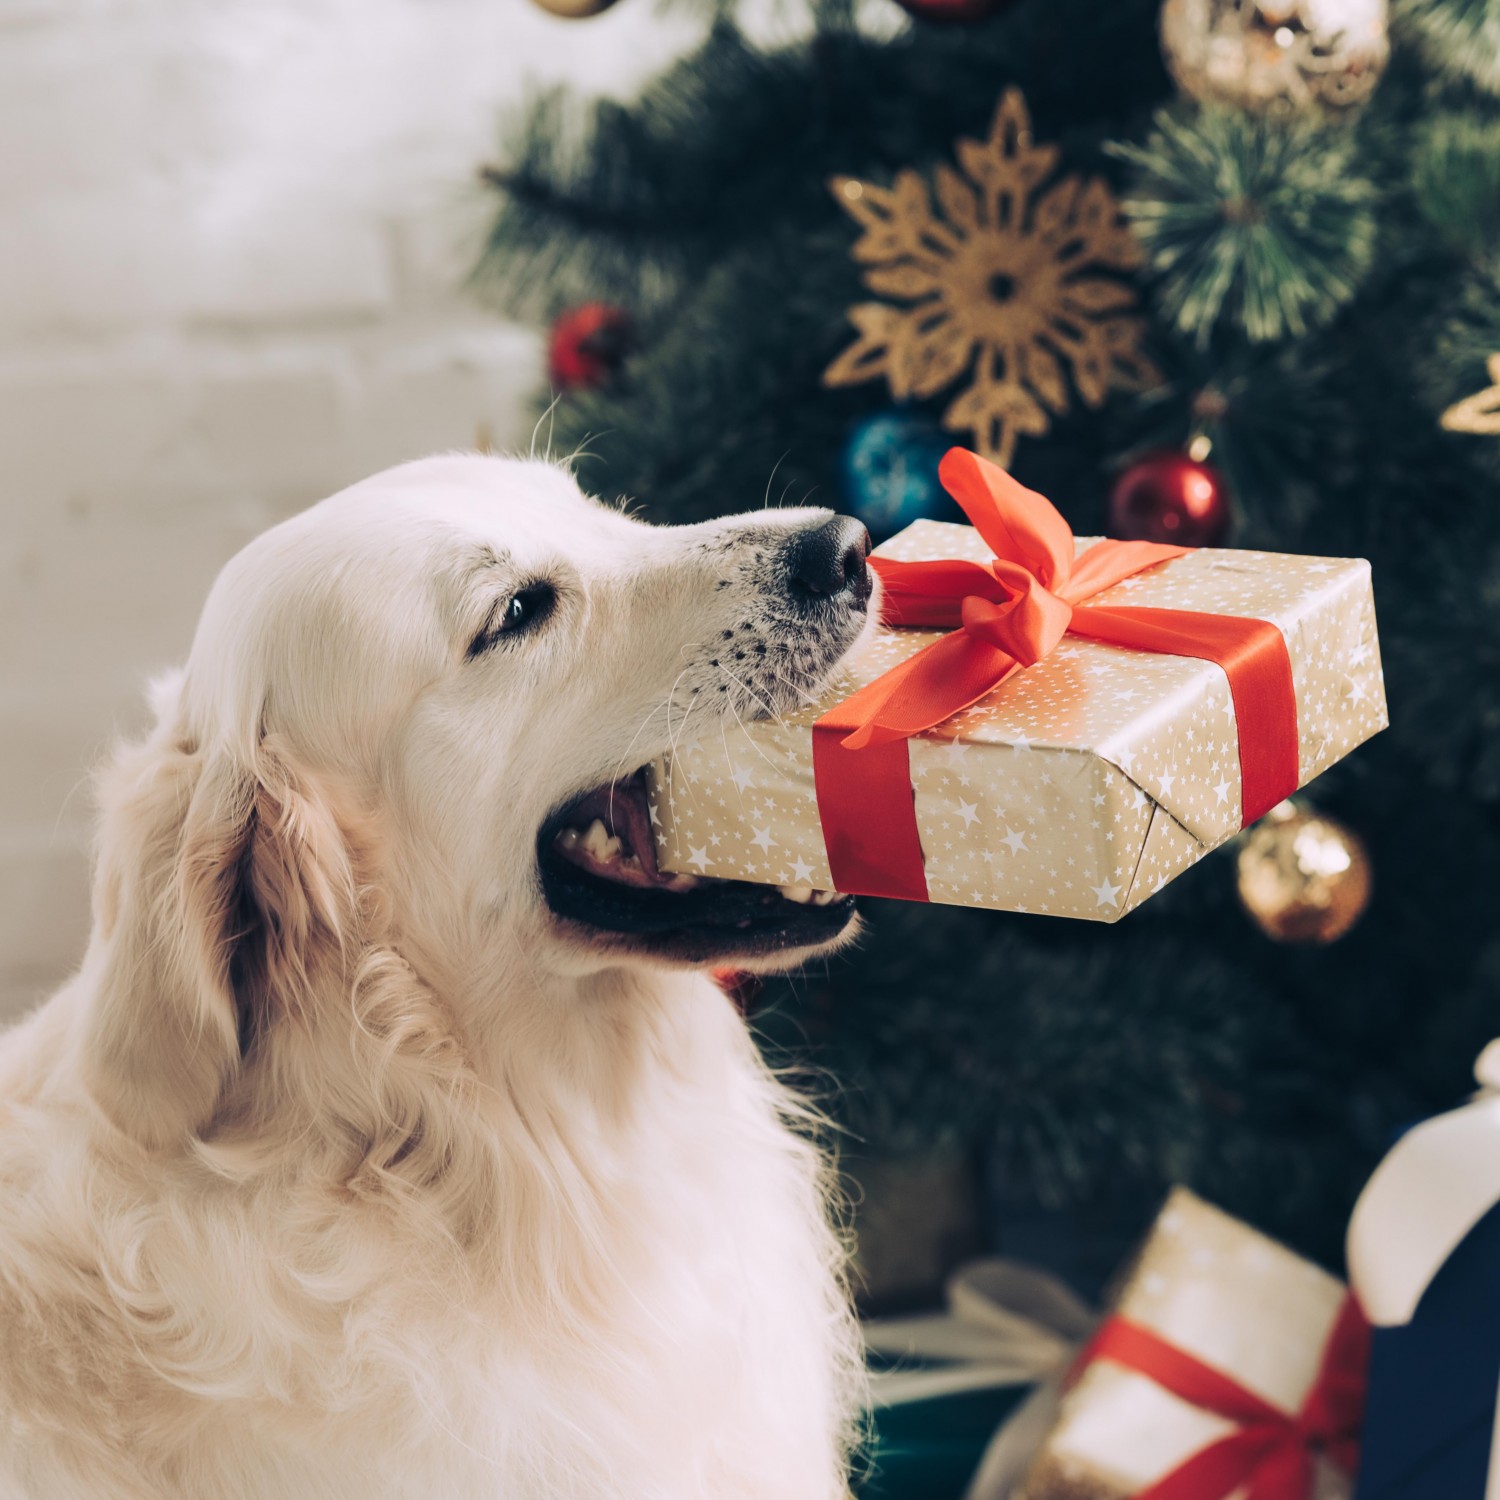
419, 711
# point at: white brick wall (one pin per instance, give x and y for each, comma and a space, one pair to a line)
232, 234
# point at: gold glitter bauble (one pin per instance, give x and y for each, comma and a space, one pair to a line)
1304, 877
1287, 55
574, 10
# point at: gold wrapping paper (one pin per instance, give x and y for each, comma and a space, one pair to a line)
1079, 787
1223, 1292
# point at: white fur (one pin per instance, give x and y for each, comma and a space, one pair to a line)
481, 1209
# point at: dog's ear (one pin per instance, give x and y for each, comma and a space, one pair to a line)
223, 885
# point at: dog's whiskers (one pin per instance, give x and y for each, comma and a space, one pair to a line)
765, 503
745, 735
546, 414
771, 711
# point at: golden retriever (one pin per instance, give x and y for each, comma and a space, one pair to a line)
391, 1140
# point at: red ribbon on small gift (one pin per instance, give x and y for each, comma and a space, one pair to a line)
1006, 615
1271, 1452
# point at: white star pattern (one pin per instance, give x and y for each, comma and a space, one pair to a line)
1092, 735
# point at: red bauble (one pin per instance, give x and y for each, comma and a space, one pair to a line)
742, 988
1169, 497
961, 12
588, 345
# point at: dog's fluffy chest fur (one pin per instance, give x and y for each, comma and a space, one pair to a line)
635, 1296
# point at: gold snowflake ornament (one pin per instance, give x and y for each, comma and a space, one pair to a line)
1003, 286
1479, 413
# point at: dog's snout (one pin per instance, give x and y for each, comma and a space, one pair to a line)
828, 559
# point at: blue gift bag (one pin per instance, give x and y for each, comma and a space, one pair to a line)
1424, 1260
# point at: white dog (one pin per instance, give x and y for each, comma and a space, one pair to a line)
390, 1142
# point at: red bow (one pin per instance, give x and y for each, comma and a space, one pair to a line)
1009, 614
1271, 1452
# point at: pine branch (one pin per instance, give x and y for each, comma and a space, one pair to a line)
1266, 226
629, 202
1458, 38
1455, 175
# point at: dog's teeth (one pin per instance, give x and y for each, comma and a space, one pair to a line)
825, 898
569, 838
599, 844
801, 894
682, 883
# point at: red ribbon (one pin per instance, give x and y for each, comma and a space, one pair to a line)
1271, 1452
1008, 614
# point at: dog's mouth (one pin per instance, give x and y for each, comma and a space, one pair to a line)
597, 859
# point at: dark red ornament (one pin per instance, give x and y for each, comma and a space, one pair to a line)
956, 12
1169, 497
742, 988
588, 345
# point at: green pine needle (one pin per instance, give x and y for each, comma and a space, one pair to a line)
1460, 38
1456, 179
1268, 225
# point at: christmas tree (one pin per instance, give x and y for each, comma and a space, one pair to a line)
1281, 262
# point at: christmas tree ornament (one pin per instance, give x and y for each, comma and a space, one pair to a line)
1010, 286
1480, 413
744, 989
890, 472
956, 12
587, 346
574, 10
1277, 55
1170, 497
1303, 876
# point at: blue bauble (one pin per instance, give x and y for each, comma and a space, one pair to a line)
890, 472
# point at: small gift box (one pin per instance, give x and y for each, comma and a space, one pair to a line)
1228, 1367
1054, 724
1424, 1259
942, 1383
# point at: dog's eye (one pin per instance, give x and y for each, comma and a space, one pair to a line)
514, 616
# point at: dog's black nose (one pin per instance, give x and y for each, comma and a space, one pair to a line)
829, 559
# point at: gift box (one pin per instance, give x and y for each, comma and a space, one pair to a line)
1227, 1367
1050, 724
1424, 1259
942, 1383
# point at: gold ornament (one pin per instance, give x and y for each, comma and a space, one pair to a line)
1324, 55
1479, 413
574, 10
1304, 877
1002, 287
